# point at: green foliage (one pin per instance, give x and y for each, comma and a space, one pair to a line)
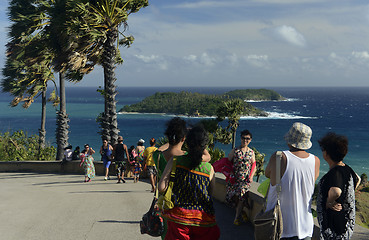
216, 154
18, 146
254, 94
185, 103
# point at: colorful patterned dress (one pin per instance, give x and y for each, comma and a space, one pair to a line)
88, 165
241, 171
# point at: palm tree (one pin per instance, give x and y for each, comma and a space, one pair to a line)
97, 27
39, 47
232, 110
27, 69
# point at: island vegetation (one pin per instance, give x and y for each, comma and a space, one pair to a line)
255, 94
197, 104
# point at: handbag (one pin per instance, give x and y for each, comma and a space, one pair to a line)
268, 225
152, 223
165, 201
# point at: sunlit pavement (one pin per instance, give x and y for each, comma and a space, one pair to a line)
52, 206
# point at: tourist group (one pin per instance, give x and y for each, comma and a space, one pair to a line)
182, 165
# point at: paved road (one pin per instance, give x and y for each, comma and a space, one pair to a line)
51, 206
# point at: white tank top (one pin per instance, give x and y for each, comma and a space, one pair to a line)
297, 189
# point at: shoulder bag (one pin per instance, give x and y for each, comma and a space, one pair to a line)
165, 201
268, 225
152, 222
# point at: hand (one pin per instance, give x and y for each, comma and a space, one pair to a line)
335, 206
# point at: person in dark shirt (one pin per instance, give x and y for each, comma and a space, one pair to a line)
336, 197
121, 156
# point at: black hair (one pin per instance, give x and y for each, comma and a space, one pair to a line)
336, 146
197, 139
140, 144
152, 141
176, 130
246, 132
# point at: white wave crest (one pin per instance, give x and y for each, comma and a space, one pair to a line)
286, 100
277, 115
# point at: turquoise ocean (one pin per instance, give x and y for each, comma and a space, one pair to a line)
341, 110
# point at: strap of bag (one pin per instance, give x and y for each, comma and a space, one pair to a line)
278, 158
156, 194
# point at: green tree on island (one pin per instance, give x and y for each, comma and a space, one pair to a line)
232, 110
96, 30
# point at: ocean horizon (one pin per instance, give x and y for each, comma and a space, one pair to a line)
341, 110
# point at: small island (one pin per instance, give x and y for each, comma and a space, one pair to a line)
196, 104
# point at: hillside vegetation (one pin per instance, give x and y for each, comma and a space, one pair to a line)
196, 104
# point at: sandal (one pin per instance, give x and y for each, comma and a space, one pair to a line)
237, 222
244, 217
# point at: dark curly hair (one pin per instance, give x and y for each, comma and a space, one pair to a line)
336, 146
197, 139
176, 130
245, 133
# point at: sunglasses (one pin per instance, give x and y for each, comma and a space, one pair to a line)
245, 138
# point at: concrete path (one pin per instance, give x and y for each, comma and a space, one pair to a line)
51, 206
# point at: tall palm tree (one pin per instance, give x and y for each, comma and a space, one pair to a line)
39, 43
27, 67
97, 28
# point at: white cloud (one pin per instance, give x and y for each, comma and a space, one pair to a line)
361, 55
155, 60
190, 58
290, 35
257, 60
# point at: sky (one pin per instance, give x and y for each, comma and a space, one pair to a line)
241, 43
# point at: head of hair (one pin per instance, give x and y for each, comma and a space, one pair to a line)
84, 151
197, 139
86, 145
245, 133
131, 148
336, 146
120, 139
77, 148
140, 144
176, 130
152, 141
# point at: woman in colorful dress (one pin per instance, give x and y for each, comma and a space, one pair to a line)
336, 197
88, 163
242, 159
192, 216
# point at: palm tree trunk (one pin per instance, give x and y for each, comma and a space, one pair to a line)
62, 121
233, 139
109, 63
42, 130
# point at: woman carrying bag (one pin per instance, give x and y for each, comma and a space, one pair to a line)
193, 214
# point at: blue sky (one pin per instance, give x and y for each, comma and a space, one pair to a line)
242, 43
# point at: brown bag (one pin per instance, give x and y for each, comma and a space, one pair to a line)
269, 225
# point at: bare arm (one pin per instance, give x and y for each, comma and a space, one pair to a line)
164, 180
317, 167
254, 170
126, 149
91, 151
333, 194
